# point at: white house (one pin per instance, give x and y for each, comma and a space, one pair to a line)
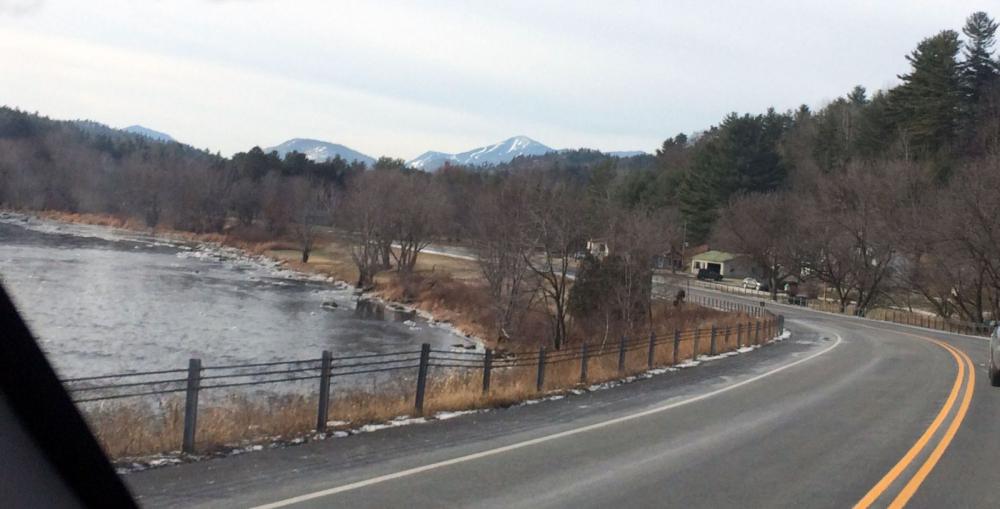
728, 264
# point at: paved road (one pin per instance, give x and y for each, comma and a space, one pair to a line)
846, 411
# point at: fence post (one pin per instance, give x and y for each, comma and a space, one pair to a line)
697, 338
725, 337
583, 363
712, 349
621, 356
739, 335
191, 405
652, 349
677, 345
540, 379
324, 391
487, 369
425, 357
756, 334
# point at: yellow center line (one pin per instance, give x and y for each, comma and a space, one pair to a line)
910, 455
925, 469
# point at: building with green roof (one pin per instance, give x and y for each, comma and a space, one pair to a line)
730, 265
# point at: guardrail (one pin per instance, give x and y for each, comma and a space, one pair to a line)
758, 310
197, 378
886, 315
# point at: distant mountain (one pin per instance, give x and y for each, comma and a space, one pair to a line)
626, 153
320, 151
149, 133
431, 160
498, 153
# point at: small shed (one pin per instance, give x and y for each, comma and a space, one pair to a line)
730, 265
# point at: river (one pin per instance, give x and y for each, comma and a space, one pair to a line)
101, 301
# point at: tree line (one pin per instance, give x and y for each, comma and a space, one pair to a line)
879, 196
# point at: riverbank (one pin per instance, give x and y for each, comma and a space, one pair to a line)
442, 290
142, 431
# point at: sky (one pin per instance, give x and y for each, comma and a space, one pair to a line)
400, 78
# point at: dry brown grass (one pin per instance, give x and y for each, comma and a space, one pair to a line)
136, 429
93, 219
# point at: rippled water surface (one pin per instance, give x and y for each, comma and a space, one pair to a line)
103, 301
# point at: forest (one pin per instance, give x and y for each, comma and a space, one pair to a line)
879, 197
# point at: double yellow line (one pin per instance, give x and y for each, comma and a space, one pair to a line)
966, 375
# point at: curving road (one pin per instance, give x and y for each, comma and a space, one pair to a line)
846, 412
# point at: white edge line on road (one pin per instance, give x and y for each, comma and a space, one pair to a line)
534, 441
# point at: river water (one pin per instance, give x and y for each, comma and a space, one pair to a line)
107, 301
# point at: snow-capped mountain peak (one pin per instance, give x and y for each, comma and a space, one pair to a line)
320, 151
497, 153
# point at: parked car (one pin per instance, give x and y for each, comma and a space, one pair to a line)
751, 284
709, 274
995, 356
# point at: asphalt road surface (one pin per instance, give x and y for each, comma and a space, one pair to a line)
845, 412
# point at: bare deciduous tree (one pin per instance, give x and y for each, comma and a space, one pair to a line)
502, 246
365, 215
557, 231
418, 210
311, 204
973, 203
635, 238
764, 226
852, 245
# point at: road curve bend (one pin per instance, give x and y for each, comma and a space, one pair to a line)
846, 412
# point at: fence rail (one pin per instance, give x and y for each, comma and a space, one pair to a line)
902, 317
198, 378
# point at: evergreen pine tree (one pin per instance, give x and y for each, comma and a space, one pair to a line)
742, 156
927, 105
979, 71
858, 96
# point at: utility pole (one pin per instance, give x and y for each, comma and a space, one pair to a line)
684, 245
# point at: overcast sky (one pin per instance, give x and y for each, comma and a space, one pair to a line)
401, 78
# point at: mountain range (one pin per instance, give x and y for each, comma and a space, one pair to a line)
320, 151
497, 153
502, 152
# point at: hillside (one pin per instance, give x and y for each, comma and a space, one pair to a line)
320, 151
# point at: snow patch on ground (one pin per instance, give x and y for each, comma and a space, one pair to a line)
443, 416
402, 420
717, 357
